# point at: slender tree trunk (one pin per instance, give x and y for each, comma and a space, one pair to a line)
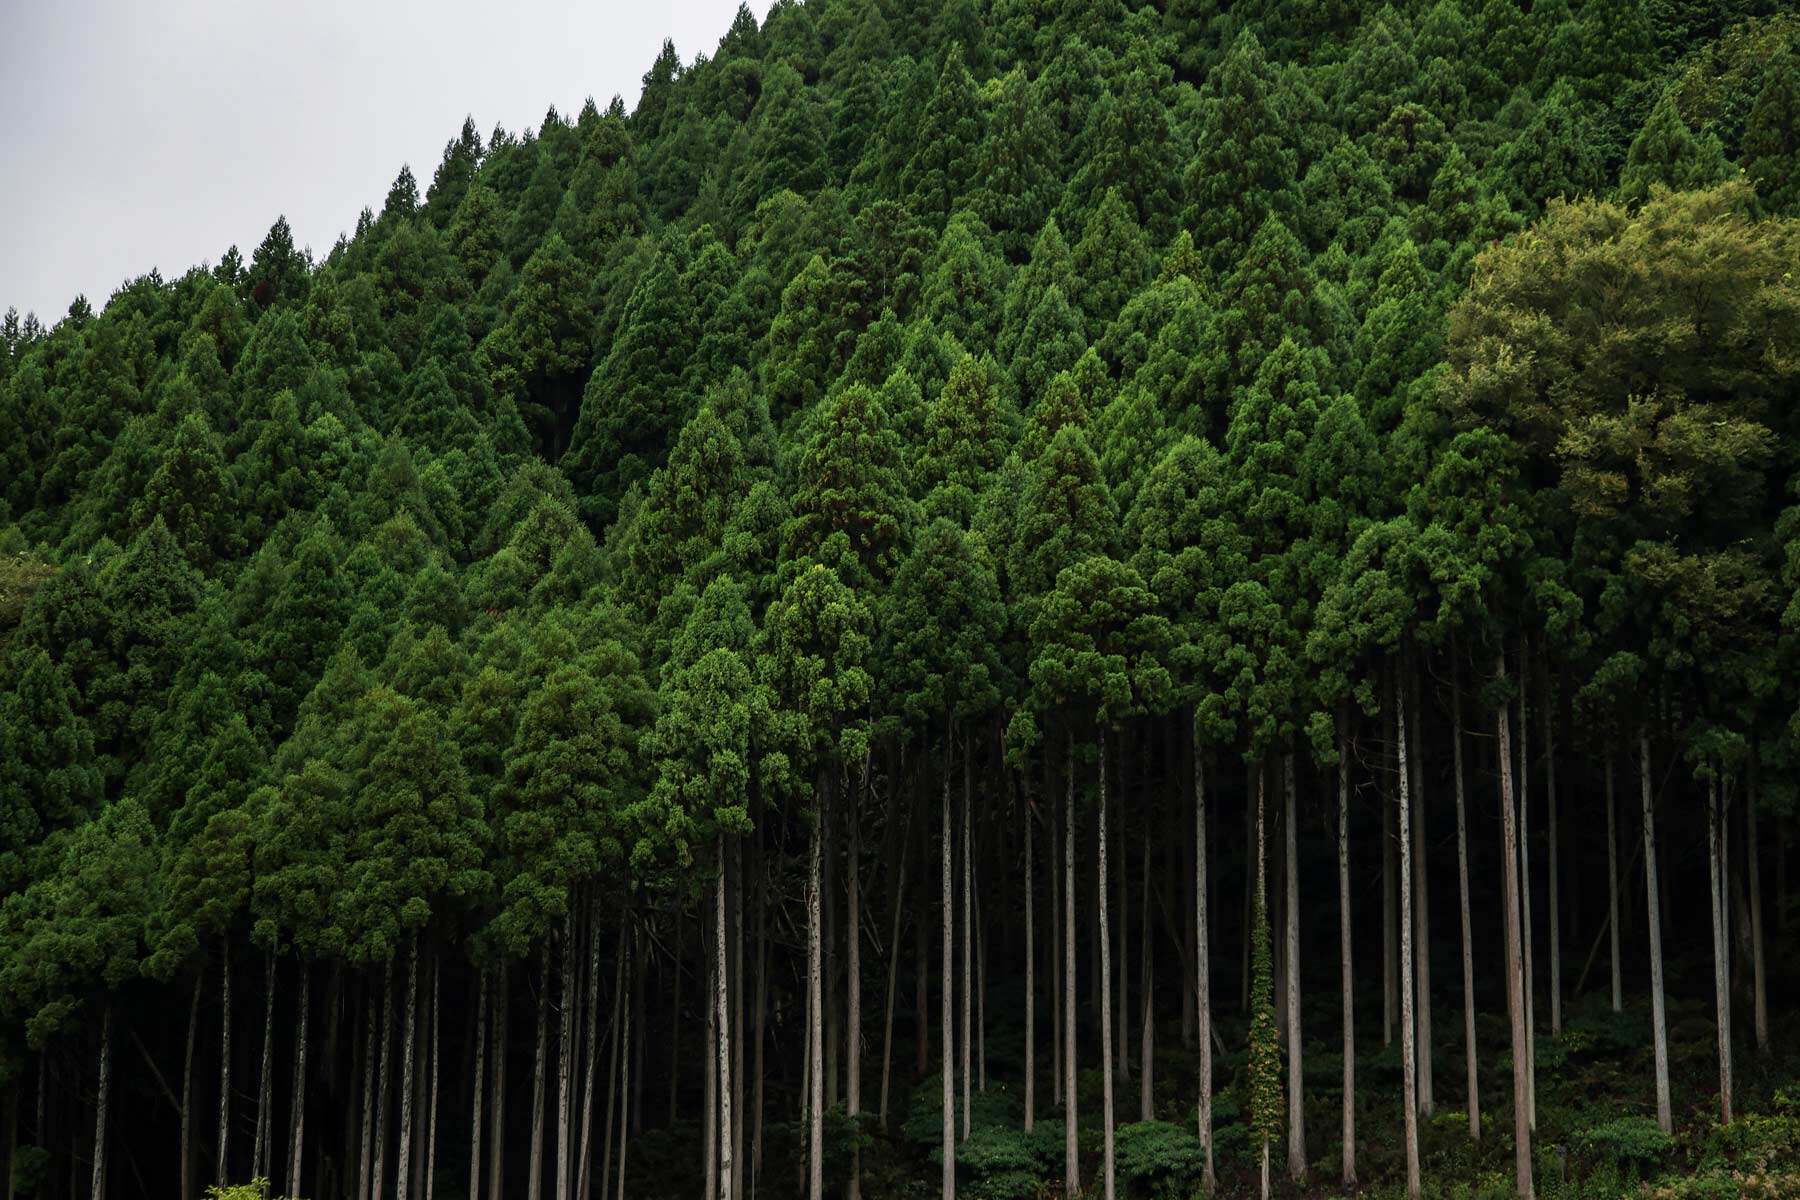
1421, 906
368, 1100
1549, 726
722, 1015
967, 1041
1202, 965
297, 1143
709, 1120
1056, 937
259, 1160
1752, 853
565, 1058
1515, 977
584, 1171
431, 1123
946, 1000
762, 1003
1389, 908
102, 1098
1471, 1088
1721, 980
815, 1182
534, 1179
1147, 1028
675, 1037
1659, 1028
1612, 885
1296, 1110
613, 1088
632, 980
220, 1175
481, 1034
187, 1102
1106, 1030
735, 901
1408, 1064
1071, 1159
9, 1104
1122, 971
853, 992
408, 1055
1031, 982
1346, 964
1525, 887
378, 1179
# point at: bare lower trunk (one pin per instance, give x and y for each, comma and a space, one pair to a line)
815, 1179
1759, 970
1346, 964
1528, 949
1721, 979
1202, 970
1612, 885
1296, 1130
853, 989
1389, 907
1056, 938
947, 1005
259, 1161
187, 1102
1421, 909
1030, 986
378, 1175
102, 1099
297, 1143
722, 1013
613, 1090
481, 1017
437, 1022
368, 1098
408, 1057
762, 1004
1659, 1027
1472, 1090
1071, 1159
1408, 1065
219, 1171
1106, 1030
1515, 976
534, 1178
565, 1058
631, 981
1147, 1026
1549, 727
968, 941
584, 1173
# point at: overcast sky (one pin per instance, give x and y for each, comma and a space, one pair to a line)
155, 133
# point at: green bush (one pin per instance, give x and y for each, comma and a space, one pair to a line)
1638, 1141
1159, 1160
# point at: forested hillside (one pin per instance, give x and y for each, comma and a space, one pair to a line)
1017, 598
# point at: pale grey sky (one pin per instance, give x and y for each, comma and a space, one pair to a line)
155, 133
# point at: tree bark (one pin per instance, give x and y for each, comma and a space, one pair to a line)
1612, 885
1548, 720
368, 1104
947, 1189
1408, 1063
1071, 1159
1296, 1083
378, 1178
1759, 969
187, 1102
1421, 906
1721, 980
565, 1058
1471, 1088
497, 1129
584, 1172
102, 1098
675, 1013
259, 1160
481, 1018
1346, 964
1389, 908
1056, 936
1659, 1027
534, 1179
431, 1139
722, 1015
815, 1182
408, 1057
734, 897
1106, 1030
1147, 1026
219, 1172
1030, 982
297, 1143
1202, 966
613, 1088
968, 941
1515, 978
853, 989
762, 1002
1525, 887
631, 980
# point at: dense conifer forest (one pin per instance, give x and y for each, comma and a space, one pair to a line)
994, 598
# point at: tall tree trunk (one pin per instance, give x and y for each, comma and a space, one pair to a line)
1106, 1030
1202, 964
220, 1175
1525, 886
378, 1176
815, 1180
1122, 1010
1346, 965
534, 1178
735, 900
722, 1015
565, 1058
481, 1034
1147, 1027
947, 1189
1056, 936
762, 1003
1071, 1159
1471, 1088
968, 939
9, 1104
1031, 981
633, 979
1752, 853
297, 1143
1389, 909
1612, 885
102, 1099
1408, 1064
187, 1101
1421, 905
1659, 1028
1515, 977
709, 1120
584, 1171
853, 990
431, 1135
613, 1089
408, 1062
676, 1021
1548, 720
368, 1098
259, 1160
1296, 1082
1721, 980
